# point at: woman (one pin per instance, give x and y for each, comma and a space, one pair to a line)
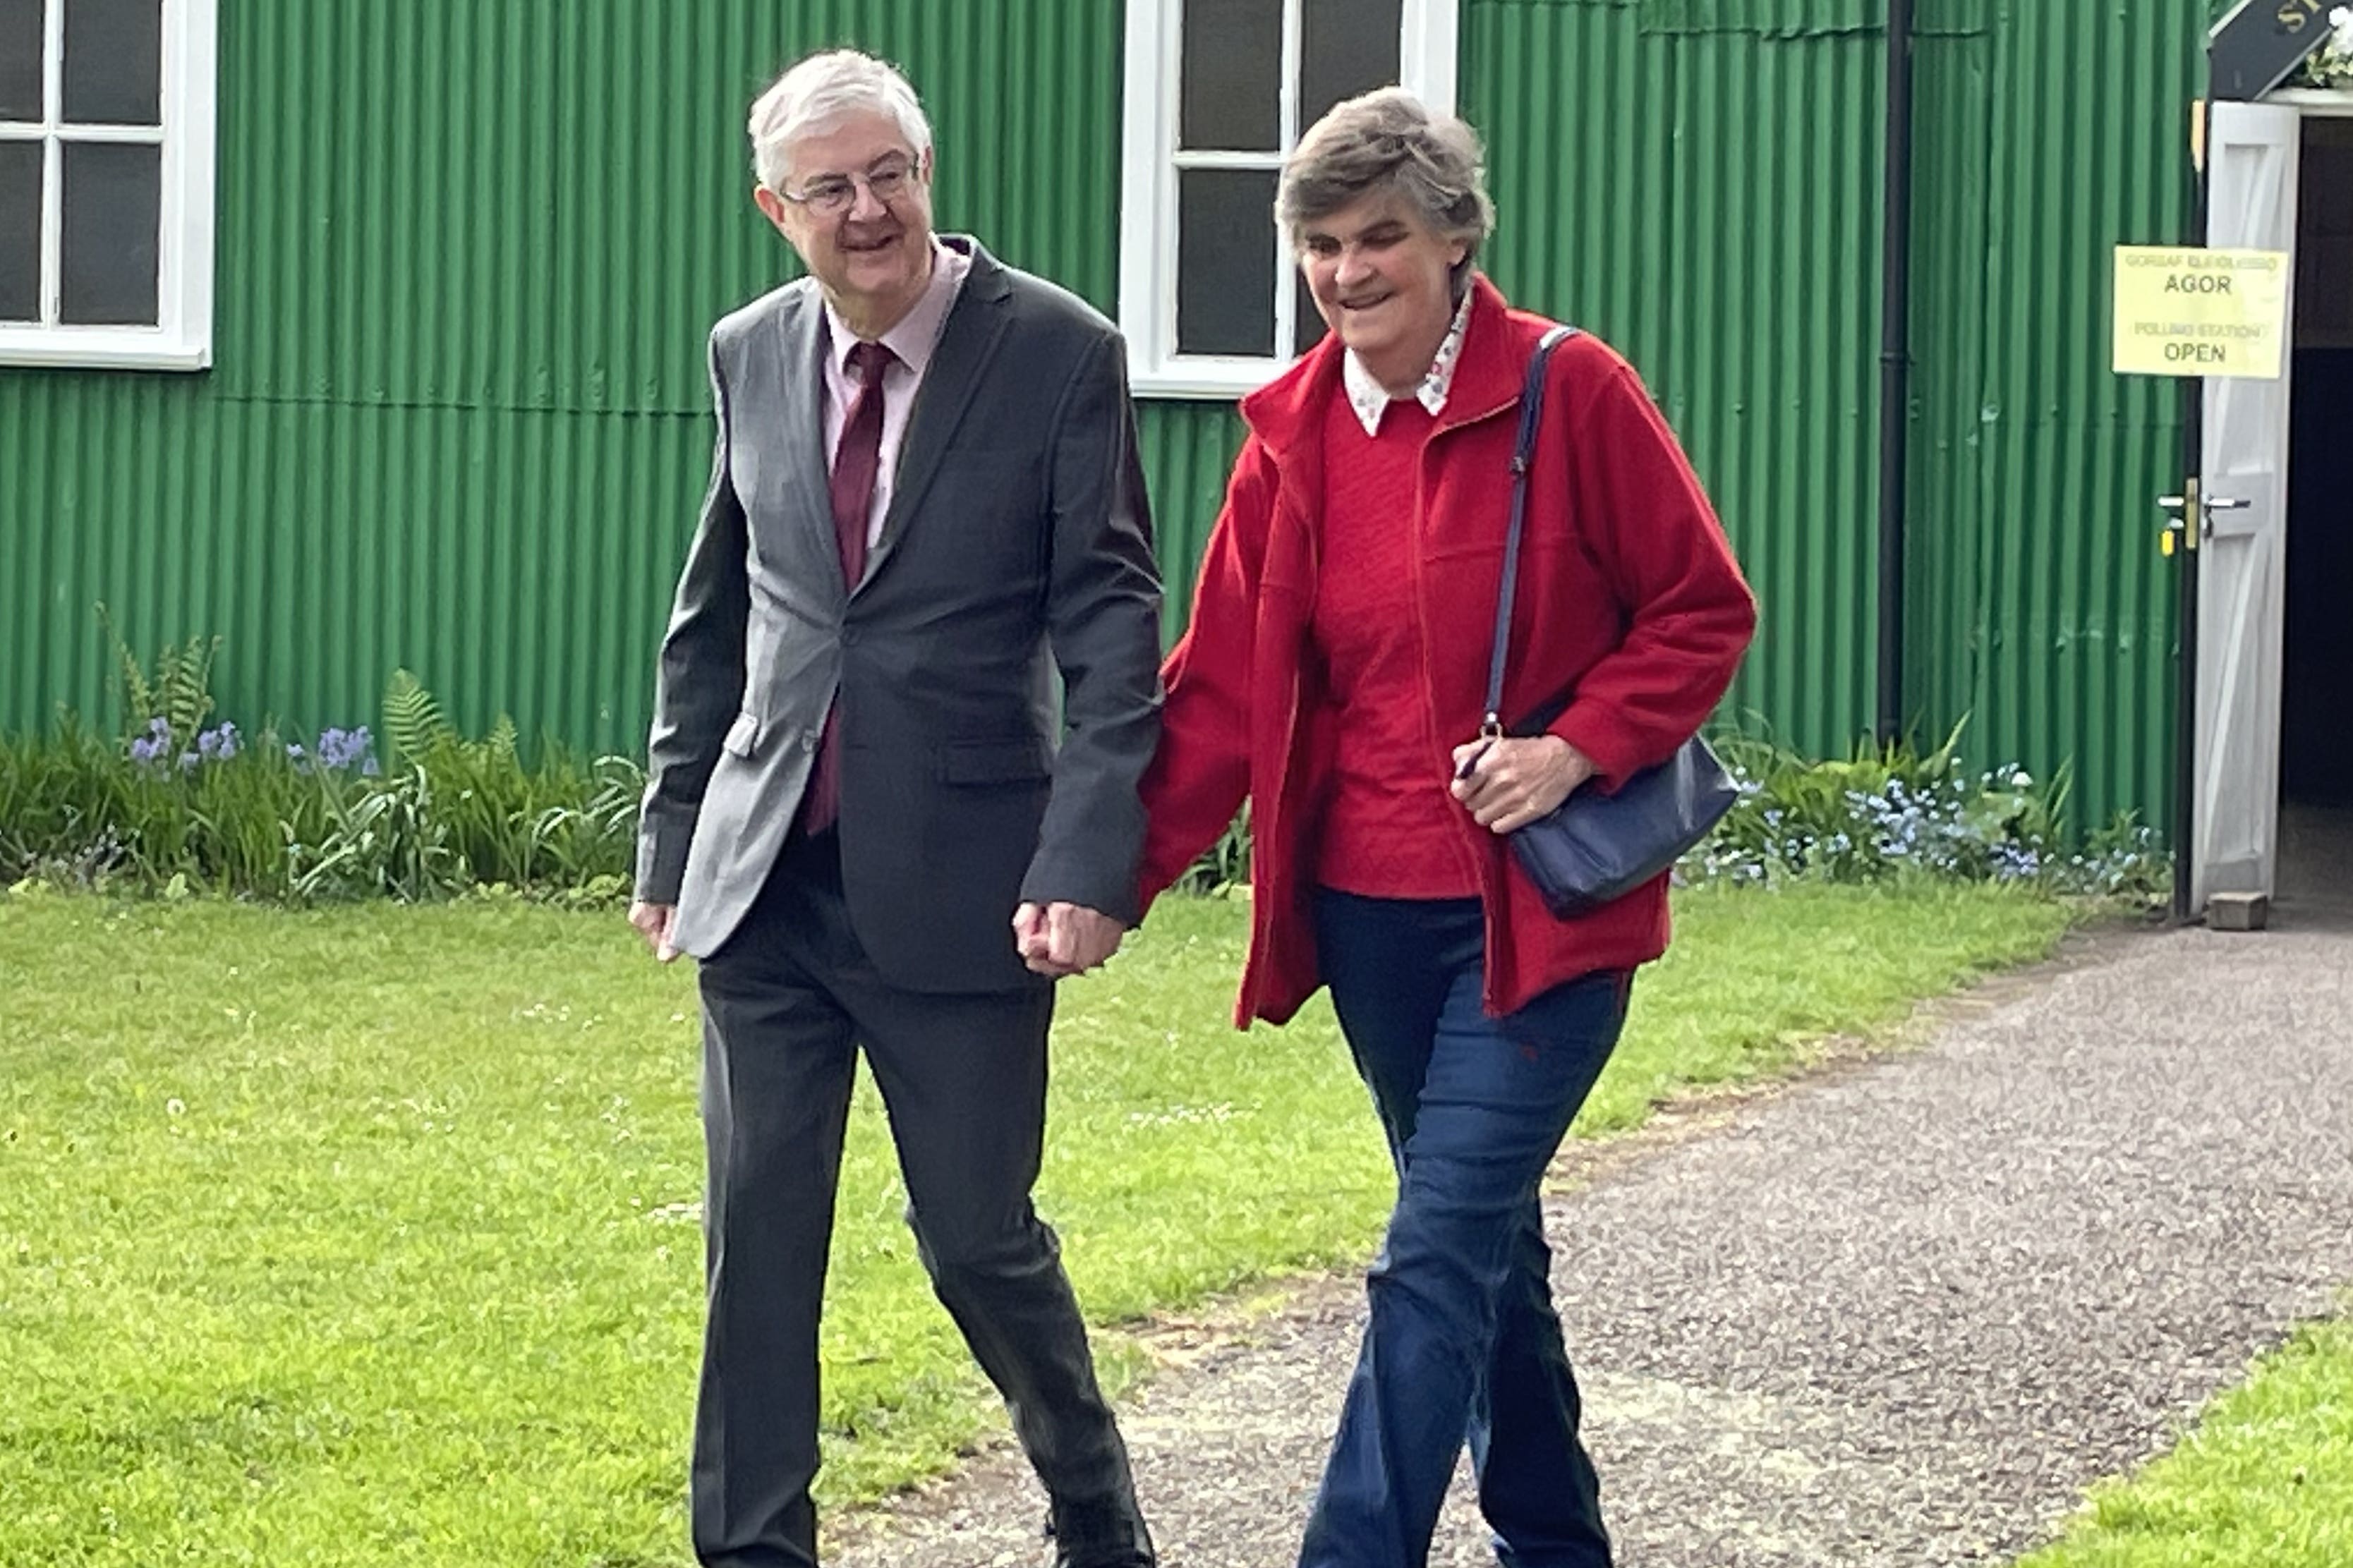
1333, 674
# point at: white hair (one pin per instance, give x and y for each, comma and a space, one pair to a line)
1387, 141
817, 94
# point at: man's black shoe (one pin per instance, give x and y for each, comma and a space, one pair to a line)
1106, 1533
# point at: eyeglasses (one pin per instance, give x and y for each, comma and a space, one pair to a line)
837, 193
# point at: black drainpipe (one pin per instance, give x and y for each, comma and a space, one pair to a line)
1894, 366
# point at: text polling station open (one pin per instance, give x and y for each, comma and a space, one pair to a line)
2182, 311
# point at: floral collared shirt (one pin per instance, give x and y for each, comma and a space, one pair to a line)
1371, 400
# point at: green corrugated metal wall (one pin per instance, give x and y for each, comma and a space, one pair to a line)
467, 254
1188, 449
1702, 193
1700, 181
2039, 605
458, 419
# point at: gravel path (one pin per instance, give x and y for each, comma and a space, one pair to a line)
1899, 1314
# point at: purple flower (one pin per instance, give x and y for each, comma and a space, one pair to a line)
347, 750
218, 745
154, 748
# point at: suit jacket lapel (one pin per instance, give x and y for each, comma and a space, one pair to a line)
800, 331
967, 342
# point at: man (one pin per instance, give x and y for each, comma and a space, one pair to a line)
925, 497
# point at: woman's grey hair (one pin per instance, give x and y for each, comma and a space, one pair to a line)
817, 94
1384, 142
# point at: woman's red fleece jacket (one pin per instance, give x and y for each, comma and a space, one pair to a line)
1629, 600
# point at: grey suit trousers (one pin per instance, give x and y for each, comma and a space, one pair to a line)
788, 1002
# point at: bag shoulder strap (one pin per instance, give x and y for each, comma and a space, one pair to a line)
1524, 453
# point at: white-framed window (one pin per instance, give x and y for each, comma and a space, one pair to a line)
106, 183
1217, 94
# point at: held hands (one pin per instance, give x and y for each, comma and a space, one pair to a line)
1058, 940
1505, 784
654, 922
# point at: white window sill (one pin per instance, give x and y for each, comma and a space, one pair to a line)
1229, 379
100, 348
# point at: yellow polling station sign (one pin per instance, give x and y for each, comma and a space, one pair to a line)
2182, 311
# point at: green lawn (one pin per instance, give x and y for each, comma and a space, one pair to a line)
369, 1235
2266, 1478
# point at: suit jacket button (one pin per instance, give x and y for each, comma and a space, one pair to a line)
809, 741
849, 637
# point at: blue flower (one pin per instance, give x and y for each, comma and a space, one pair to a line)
348, 749
155, 747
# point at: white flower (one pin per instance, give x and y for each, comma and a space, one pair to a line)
2340, 22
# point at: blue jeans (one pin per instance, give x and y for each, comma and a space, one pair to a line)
1462, 1343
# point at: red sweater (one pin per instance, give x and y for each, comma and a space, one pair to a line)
1389, 828
1628, 598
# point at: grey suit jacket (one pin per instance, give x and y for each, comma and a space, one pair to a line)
1018, 540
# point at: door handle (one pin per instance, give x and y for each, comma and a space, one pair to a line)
2209, 505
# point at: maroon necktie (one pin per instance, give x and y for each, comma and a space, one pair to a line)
856, 462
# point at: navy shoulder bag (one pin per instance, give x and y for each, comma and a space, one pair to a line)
1596, 847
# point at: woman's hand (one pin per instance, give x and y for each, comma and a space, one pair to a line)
1508, 784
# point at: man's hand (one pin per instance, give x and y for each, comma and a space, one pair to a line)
1060, 939
654, 922
1508, 784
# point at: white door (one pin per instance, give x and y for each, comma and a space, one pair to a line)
2242, 572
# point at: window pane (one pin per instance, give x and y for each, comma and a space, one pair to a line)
1345, 48
1309, 329
1225, 261
20, 60
1232, 76
114, 62
20, 231
114, 216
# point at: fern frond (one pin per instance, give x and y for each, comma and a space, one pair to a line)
138, 697
502, 745
413, 724
184, 686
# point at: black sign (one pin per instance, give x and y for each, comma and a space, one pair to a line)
2256, 47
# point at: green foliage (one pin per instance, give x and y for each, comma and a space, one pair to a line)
2331, 65
1226, 868
368, 1235
74, 811
413, 720
211, 810
178, 690
558, 824
2124, 860
1884, 812
385, 837
300, 823
1893, 811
